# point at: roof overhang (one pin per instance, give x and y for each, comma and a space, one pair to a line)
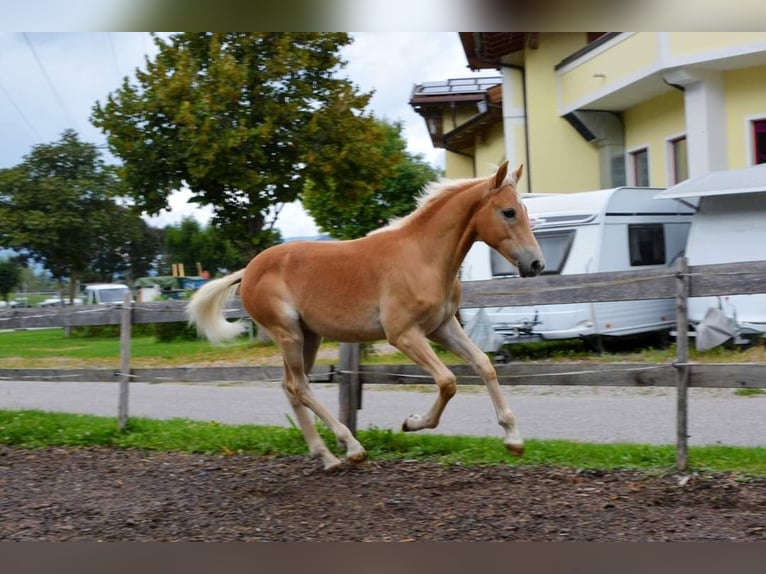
729, 182
432, 100
486, 50
464, 136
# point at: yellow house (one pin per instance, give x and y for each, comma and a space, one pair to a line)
594, 110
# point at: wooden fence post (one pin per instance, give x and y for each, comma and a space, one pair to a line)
126, 320
682, 363
349, 388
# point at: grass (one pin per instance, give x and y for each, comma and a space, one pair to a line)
36, 429
51, 348
750, 392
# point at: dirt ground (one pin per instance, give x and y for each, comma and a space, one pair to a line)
62, 494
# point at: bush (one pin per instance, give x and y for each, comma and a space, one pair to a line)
105, 331
176, 331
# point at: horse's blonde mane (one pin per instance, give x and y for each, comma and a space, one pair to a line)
427, 195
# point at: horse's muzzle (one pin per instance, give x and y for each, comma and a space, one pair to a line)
534, 267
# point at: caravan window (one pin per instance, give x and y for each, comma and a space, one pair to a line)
555, 246
647, 244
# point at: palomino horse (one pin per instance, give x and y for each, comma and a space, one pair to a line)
399, 283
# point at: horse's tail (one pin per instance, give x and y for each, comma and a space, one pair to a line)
207, 305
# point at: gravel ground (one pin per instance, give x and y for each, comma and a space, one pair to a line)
130, 495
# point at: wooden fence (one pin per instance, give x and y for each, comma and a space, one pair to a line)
679, 282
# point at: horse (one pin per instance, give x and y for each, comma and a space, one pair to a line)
398, 283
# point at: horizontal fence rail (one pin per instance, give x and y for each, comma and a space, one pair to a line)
723, 375
84, 315
704, 280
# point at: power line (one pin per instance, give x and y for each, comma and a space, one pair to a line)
113, 52
48, 80
23, 116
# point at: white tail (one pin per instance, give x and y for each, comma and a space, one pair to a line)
207, 305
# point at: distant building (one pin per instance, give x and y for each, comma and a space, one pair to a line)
595, 110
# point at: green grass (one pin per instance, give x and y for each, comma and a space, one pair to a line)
750, 392
35, 429
50, 347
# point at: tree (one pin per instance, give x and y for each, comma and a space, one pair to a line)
189, 243
58, 206
129, 249
10, 277
347, 213
243, 120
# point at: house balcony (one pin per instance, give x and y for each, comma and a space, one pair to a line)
625, 69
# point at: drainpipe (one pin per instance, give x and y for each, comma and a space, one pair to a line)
522, 71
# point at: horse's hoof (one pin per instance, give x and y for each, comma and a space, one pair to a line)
333, 465
357, 457
516, 449
412, 423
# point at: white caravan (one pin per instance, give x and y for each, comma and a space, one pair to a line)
105, 293
618, 229
730, 226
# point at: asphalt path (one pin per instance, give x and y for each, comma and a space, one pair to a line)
587, 414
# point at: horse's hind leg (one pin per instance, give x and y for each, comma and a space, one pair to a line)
452, 336
316, 445
299, 351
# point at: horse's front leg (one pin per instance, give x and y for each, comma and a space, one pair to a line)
452, 336
414, 344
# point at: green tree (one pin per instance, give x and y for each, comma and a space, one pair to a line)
243, 120
189, 243
10, 277
129, 249
58, 205
346, 213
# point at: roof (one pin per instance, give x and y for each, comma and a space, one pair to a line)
729, 182
454, 90
433, 99
486, 49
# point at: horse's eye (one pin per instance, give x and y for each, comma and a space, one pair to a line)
509, 213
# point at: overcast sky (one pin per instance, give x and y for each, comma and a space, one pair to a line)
49, 82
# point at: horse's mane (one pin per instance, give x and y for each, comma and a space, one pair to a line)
430, 193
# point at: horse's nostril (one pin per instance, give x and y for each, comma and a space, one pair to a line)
537, 266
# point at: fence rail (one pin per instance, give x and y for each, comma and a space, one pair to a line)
679, 282
723, 375
704, 280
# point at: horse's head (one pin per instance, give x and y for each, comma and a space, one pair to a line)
502, 223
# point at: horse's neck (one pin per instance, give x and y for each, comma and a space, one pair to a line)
444, 233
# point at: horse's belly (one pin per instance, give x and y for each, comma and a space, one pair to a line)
342, 325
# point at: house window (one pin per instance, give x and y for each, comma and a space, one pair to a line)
646, 242
759, 141
679, 159
639, 161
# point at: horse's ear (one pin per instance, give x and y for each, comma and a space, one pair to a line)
516, 175
502, 171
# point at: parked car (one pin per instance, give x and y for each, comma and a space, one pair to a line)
105, 293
